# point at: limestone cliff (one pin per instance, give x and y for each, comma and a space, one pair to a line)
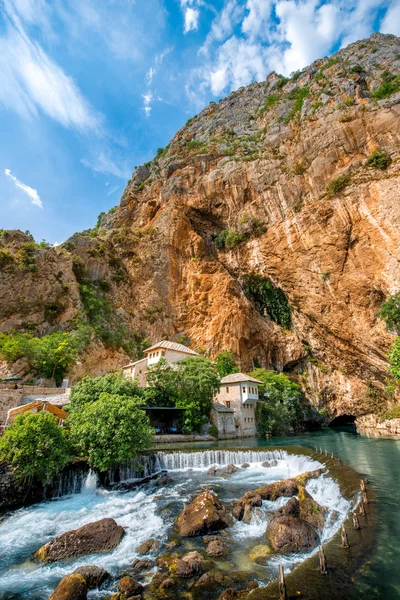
286, 170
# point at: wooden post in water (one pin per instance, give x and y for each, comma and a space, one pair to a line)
356, 522
345, 541
364, 497
362, 508
322, 561
282, 585
362, 485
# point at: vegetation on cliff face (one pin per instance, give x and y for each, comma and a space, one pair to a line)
225, 363
268, 299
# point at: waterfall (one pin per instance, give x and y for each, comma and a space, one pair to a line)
202, 460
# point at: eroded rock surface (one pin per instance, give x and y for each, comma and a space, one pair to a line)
98, 537
204, 515
71, 587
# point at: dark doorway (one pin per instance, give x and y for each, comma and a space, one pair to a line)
342, 420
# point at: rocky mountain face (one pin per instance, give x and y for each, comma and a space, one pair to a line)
288, 184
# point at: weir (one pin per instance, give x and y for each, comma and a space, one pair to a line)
71, 481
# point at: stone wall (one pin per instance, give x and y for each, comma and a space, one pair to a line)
390, 426
37, 390
9, 399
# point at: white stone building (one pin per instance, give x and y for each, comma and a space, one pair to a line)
240, 393
171, 352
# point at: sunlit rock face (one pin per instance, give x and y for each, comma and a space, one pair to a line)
259, 163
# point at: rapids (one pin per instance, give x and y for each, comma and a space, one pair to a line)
150, 511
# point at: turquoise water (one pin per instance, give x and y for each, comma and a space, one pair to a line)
378, 459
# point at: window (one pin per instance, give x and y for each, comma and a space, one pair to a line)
162, 352
228, 404
244, 390
227, 390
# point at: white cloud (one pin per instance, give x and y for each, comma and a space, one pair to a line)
250, 38
113, 190
31, 192
192, 16
102, 163
391, 21
256, 20
147, 101
32, 83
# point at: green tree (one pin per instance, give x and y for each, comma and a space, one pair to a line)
110, 430
198, 382
225, 363
55, 353
268, 299
394, 359
281, 411
89, 389
35, 447
390, 312
163, 387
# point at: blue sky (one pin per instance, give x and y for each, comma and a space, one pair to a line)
91, 88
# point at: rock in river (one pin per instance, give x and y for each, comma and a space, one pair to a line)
94, 576
204, 515
100, 536
287, 533
71, 587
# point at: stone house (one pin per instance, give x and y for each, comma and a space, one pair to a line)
171, 352
239, 392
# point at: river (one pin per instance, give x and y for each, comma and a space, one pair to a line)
145, 513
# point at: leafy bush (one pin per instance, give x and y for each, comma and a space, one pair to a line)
225, 363
390, 85
228, 238
51, 355
390, 313
213, 431
6, 258
391, 413
300, 168
298, 94
281, 82
110, 430
27, 257
89, 389
394, 359
35, 447
268, 299
161, 152
192, 386
379, 159
280, 412
270, 102
337, 185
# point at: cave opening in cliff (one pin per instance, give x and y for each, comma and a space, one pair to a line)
341, 420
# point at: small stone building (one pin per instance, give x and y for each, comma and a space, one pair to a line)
171, 352
239, 392
223, 419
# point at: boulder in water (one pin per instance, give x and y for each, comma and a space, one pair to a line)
266, 464
230, 469
139, 565
97, 537
149, 546
245, 505
129, 588
217, 548
94, 576
212, 471
310, 510
204, 515
245, 466
260, 553
287, 533
229, 594
71, 587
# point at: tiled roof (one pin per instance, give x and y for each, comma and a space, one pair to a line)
221, 408
172, 346
238, 378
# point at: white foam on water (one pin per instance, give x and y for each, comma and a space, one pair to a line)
28, 529
25, 530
